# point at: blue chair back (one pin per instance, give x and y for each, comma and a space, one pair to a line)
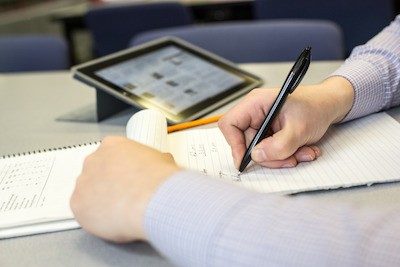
33, 53
359, 19
280, 40
112, 26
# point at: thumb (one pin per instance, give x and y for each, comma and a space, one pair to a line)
281, 145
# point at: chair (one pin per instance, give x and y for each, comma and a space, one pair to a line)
359, 19
112, 26
32, 53
280, 40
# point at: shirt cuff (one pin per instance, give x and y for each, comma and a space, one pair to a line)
369, 92
188, 213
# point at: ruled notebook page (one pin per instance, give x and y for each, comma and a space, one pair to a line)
360, 152
148, 127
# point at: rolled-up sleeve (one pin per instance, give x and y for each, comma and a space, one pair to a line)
374, 71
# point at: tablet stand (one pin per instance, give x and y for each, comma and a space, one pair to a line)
108, 105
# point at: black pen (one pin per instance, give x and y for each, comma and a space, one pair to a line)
293, 79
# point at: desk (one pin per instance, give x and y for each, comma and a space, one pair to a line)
29, 104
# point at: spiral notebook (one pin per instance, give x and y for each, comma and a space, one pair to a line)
35, 188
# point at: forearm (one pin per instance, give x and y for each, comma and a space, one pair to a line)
373, 70
198, 221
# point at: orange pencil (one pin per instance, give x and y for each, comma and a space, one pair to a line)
190, 124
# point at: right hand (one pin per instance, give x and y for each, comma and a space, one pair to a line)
302, 121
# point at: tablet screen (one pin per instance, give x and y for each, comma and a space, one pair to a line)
170, 77
181, 80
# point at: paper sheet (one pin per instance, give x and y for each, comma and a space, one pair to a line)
361, 152
37, 187
148, 127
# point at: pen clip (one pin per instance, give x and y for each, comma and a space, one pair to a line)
304, 64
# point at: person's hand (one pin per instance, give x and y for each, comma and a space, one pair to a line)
302, 121
116, 184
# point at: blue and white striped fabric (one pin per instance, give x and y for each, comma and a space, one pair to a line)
198, 221
374, 71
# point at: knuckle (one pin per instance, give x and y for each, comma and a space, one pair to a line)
255, 91
168, 157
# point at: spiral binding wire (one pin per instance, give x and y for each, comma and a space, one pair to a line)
48, 150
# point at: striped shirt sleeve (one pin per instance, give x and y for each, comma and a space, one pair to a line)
374, 71
195, 220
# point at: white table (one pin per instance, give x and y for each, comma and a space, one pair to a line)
29, 105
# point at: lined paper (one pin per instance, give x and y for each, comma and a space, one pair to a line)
360, 152
148, 127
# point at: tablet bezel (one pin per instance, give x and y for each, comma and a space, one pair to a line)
86, 73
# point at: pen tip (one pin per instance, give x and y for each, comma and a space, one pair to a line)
241, 168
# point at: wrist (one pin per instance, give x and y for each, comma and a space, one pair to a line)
339, 97
153, 183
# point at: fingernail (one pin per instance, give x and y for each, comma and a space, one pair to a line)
306, 157
258, 155
317, 151
289, 165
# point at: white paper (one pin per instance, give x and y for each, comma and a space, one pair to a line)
365, 151
36, 188
361, 152
148, 127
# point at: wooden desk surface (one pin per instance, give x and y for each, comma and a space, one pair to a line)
29, 106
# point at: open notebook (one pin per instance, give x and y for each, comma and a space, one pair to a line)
360, 152
35, 187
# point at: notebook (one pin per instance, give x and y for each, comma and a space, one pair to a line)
361, 152
35, 187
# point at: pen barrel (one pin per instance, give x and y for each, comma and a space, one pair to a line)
265, 126
272, 113
293, 79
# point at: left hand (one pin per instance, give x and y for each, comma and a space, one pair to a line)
115, 187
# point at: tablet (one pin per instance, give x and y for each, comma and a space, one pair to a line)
181, 80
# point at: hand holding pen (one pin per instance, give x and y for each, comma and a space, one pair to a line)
301, 122
293, 79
